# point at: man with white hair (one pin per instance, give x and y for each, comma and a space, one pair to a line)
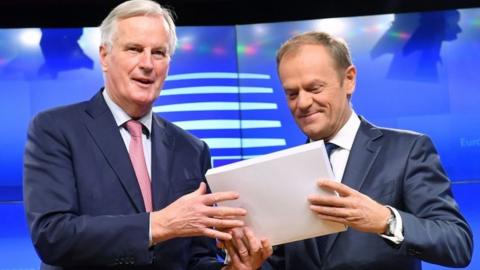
108, 184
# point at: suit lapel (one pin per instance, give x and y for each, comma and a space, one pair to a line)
101, 125
163, 143
362, 156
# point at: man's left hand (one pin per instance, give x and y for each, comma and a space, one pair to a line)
350, 208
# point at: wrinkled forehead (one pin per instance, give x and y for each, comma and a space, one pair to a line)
136, 24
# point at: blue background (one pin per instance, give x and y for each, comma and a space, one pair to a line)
416, 71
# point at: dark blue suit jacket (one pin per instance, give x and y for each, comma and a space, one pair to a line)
401, 169
83, 203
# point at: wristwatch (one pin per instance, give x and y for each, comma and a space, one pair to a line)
391, 222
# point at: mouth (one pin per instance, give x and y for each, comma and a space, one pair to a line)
307, 115
308, 118
144, 82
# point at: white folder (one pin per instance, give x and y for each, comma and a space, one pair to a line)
274, 188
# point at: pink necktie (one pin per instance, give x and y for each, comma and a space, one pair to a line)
138, 161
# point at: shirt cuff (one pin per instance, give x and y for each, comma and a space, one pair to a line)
150, 240
397, 236
227, 259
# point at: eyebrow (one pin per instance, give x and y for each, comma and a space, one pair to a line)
134, 44
316, 81
131, 44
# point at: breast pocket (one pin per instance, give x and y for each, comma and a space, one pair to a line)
182, 186
382, 192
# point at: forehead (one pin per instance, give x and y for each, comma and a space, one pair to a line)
306, 65
306, 60
308, 53
142, 27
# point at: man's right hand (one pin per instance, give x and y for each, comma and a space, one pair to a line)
194, 214
246, 251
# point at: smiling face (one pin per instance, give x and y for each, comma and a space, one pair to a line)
317, 93
136, 65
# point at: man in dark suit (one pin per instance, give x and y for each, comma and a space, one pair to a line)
394, 195
108, 184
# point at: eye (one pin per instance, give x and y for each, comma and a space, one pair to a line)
291, 94
160, 53
134, 49
316, 88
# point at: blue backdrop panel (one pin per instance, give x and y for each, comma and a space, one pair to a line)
415, 70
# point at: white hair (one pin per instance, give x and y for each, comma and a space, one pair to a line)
134, 8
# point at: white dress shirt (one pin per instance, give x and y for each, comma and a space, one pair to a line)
121, 117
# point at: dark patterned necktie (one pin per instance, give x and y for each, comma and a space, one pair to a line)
330, 147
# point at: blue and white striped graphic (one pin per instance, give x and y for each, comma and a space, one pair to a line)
225, 112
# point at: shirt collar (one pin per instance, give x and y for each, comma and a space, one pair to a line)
121, 116
346, 135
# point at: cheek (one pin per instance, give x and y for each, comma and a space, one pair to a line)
161, 69
292, 106
322, 104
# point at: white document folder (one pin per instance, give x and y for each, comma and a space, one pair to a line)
274, 188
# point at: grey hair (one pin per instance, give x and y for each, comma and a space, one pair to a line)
135, 8
337, 48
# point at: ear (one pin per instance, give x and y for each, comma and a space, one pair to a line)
350, 79
104, 53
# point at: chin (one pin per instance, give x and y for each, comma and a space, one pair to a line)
315, 131
145, 95
314, 137
312, 134
141, 102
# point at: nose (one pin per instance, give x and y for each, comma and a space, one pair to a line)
304, 100
146, 61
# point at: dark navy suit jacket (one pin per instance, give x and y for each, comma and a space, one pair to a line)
83, 203
401, 169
